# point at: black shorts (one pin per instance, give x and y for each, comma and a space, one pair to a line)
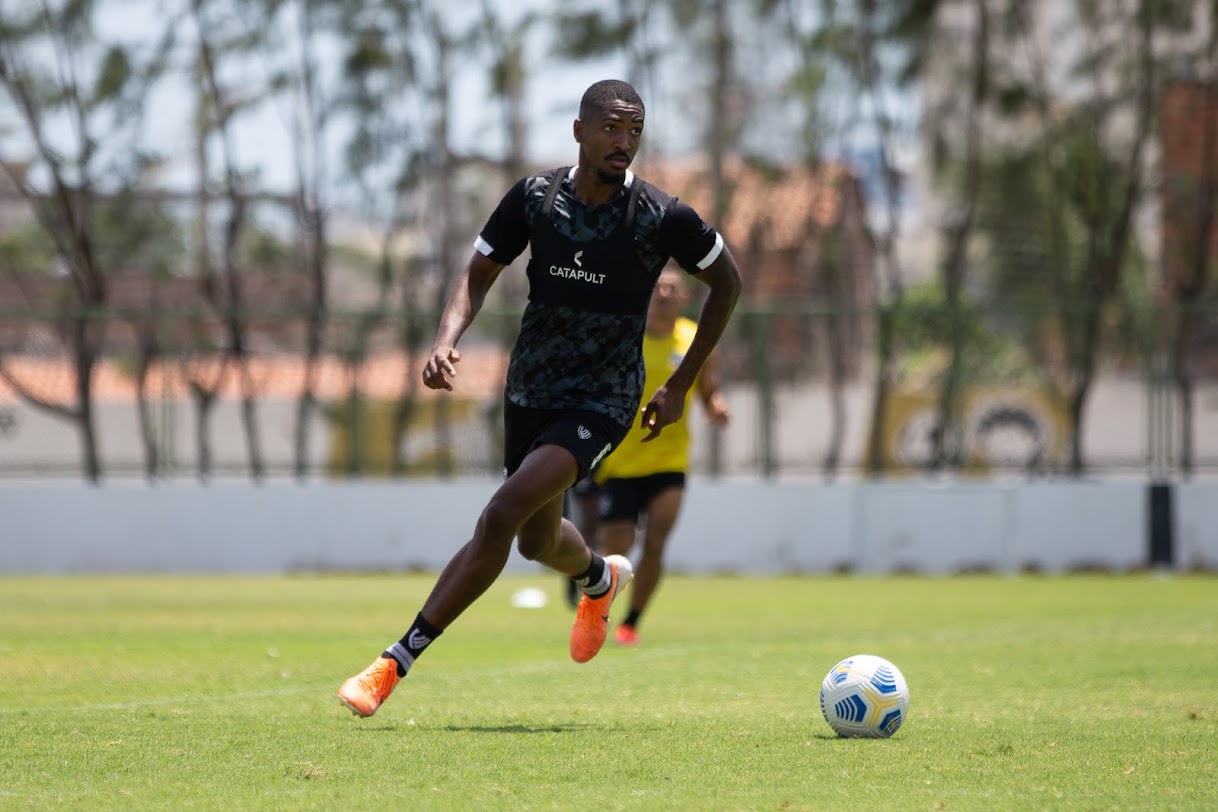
586, 487
627, 499
589, 436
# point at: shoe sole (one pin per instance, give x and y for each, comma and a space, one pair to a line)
354, 709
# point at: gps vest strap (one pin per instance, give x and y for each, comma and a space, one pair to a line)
602, 273
636, 186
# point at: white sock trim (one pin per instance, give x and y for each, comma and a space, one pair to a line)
601, 586
399, 653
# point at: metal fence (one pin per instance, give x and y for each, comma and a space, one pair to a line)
169, 398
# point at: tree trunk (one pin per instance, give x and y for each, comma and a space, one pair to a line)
947, 445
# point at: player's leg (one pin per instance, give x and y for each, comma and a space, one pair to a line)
580, 507
530, 498
662, 511
599, 579
535, 486
548, 538
662, 514
617, 536
586, 495
620, 506
587, 437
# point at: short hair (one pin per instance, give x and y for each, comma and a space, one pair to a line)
605, 92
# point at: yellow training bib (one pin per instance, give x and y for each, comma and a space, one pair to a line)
670, 451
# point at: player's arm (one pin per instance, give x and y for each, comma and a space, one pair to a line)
502, 239
667, 405
464, 302
711, 393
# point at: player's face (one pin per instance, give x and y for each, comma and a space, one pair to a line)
669, 294
610, 140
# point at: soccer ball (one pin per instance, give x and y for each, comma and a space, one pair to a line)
864, 696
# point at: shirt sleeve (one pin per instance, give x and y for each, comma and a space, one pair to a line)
506, 233
686, 237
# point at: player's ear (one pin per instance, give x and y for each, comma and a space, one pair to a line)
577, 129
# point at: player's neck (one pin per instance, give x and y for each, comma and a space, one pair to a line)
594, 190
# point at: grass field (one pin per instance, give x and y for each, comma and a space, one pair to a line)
1081, 692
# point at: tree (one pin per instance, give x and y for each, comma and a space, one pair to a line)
402, 58
1086, 109
312, 105
77, 101
1104, 207
384, 158
1189, 139
1067, 101
947, 445
221, 38
846, 82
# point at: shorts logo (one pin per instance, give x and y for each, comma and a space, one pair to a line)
579, 256
583, 433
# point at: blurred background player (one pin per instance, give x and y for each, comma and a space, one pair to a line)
644, 478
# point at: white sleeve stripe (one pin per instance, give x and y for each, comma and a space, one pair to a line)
714, 253
483, 247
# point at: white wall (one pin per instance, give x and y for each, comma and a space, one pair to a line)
746, 527
1196, 526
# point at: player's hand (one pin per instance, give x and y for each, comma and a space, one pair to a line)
440, 367
716, 410
664, 409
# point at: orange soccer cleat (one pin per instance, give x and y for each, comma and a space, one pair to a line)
592, 614
626, 636
367, 690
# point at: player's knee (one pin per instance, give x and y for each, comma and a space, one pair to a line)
499, 520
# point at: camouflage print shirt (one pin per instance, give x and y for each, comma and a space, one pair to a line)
591, 272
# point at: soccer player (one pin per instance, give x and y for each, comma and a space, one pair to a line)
645, 478
599, 237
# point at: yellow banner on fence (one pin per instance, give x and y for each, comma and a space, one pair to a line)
1007, 428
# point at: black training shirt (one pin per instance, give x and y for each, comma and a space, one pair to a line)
580, 344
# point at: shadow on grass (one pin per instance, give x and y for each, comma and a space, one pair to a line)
568, 728
379, 729
563, 728
865, 741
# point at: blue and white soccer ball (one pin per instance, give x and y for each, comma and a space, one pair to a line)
864, 696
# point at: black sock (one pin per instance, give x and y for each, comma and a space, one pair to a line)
595, 580
632, 619
408, 649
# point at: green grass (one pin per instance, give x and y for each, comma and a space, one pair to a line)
1084, 693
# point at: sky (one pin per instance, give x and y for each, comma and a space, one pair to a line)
552, 97
264, 140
